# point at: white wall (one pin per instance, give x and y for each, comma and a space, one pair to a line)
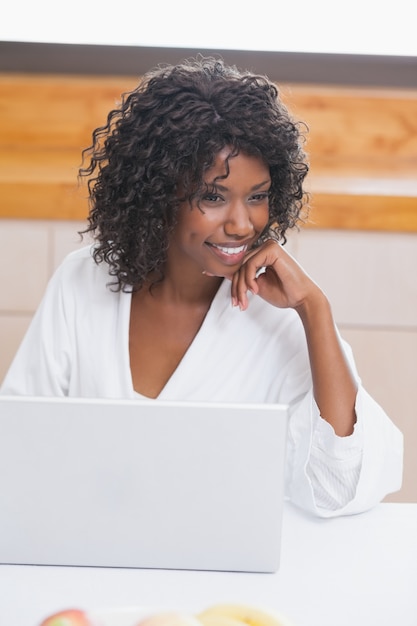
318, 28
370, 278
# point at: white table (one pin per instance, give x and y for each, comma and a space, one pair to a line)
350, 571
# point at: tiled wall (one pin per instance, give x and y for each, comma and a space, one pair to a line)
370, 278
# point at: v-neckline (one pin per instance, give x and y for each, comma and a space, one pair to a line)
191, 348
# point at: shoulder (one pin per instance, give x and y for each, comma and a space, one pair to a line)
77, 258
79, 266
79, 279
80, 288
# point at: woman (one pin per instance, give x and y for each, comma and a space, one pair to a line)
188, 292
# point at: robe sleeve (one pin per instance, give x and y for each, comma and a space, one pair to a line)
330, 475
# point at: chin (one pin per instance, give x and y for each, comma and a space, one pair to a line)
220, 273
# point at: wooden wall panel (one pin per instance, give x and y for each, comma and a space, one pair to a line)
349, 123
362, 145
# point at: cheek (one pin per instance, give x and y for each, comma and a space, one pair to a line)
260, 218
198, 222
192, 228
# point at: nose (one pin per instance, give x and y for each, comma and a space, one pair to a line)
238, 221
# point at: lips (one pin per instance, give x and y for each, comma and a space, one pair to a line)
229, 254
230, 249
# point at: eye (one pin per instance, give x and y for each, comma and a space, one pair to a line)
260, 196
212, 198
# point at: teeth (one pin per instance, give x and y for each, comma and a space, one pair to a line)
230, 250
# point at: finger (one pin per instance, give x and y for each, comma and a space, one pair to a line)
239, 297
243, 284
235, 300
253, 266
239, 287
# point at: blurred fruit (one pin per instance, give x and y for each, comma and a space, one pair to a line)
206, 619
70, 617
240, 614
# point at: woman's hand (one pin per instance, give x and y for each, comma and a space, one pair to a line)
283, 282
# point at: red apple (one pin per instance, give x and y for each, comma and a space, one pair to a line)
70, 617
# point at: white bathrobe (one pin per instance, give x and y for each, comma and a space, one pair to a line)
78, 345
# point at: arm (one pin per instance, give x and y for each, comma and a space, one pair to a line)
330, 475
333, 382
285, 284
41, 364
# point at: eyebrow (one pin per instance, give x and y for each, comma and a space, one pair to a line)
220, 187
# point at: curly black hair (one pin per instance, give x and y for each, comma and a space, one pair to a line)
154, 150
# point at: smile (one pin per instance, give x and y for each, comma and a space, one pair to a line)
230, 250
229, 255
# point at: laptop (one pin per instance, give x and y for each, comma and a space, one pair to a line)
141, 484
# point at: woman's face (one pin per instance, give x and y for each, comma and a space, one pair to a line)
216, 235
